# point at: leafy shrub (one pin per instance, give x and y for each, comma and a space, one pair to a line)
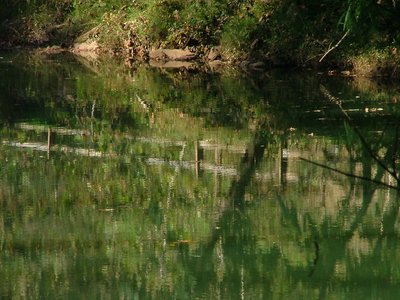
160, 19
239, 32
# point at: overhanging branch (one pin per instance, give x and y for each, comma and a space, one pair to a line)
335, 46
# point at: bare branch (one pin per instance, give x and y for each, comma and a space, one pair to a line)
349, 174
334, 47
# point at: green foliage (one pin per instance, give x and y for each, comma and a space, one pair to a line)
185, 23
239, 32
360, 14
281, 31
161, 18
32, 22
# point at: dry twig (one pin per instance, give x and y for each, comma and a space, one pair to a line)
334, 47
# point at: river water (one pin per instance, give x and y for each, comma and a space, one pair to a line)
147, 183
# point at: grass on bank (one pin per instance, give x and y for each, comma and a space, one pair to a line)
278, 31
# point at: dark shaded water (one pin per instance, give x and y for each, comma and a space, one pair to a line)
121, 184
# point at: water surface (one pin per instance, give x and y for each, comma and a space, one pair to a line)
149, 183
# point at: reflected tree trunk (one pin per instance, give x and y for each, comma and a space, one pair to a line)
284, 161
198, 157
48, 142
249, 163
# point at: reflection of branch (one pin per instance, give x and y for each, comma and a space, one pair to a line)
316, 245
246, 170
349, 174
289, 213
358, 132
249, 163
379, 143
143, 103
394, 156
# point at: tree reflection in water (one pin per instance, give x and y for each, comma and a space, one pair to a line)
160, 184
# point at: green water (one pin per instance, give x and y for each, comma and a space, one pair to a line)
163, 184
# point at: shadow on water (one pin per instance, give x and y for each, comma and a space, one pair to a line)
159, 183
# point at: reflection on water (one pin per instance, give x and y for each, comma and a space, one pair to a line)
158, 183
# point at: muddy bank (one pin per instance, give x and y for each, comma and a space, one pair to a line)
370, 65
